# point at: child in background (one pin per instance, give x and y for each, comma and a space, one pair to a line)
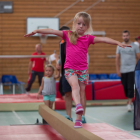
48, 86
76, 68
137, 41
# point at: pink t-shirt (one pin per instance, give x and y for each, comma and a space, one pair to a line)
76, 55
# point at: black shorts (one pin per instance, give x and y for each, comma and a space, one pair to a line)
60, 87
64, 85
127, 80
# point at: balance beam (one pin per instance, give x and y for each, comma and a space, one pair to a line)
64, 126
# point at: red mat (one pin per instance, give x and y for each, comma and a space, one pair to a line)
20, 98
29, 132
108, 132
45, 132
30, 98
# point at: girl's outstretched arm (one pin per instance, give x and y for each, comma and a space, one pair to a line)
45, 31
109, 41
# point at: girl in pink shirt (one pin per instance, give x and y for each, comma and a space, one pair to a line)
76, 70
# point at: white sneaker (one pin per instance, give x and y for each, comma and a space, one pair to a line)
27, 92
132, 106
129, 108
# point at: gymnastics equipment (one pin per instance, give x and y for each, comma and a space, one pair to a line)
64, 126
49, 58
43, 38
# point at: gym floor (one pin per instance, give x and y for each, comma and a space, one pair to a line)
116, 116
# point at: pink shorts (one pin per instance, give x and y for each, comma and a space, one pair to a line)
82, 75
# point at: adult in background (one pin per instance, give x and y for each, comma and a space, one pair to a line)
36, 67
127, 56
137, 41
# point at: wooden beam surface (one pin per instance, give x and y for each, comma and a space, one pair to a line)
64, 126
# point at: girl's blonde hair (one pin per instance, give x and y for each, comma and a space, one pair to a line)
87, 19
51, 66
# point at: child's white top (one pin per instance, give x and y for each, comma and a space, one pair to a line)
49, 87
76, 55
137, 43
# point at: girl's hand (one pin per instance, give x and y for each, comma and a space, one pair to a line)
30, 34
123, 45
58, 67
37, 96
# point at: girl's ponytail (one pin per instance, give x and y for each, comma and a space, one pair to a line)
73, 37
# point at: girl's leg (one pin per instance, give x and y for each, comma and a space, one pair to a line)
82, 98
51, 104
83, 77
82, 95
46, 102
73, 81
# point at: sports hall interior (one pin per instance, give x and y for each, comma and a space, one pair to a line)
108, 16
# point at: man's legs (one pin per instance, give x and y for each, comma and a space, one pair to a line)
66, 89
40, 76
130, 86
31, 80
127, 80
124, 82
60, 88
